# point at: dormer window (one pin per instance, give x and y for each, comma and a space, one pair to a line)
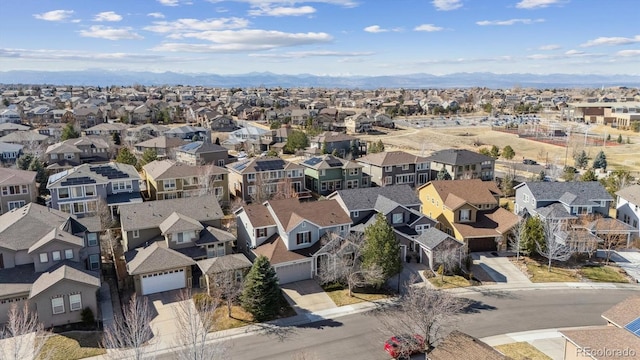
398, 218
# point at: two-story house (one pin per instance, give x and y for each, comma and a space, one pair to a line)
167, 179
288, 232
73, 152
17, 188
78, 190
189, 133
144, 132
462, 164
469, 211
395, 168
107, 130
628, 206
49, 259
562, 200
164, 241
203, 153
259, 179
162, 145
325, 174
342, 144
9, 153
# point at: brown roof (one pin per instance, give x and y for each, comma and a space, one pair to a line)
259, 215
391, 158
276, 251
325, 213
624, 312
605, 337
169, 169
16, 177
488, 223
458, 345
161, 142
455, 193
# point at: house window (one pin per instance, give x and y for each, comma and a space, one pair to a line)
55, 256
92, 206
169, 184
54, 156
94, 262
322, 172
57, 305
180, 238
220, 162
353, 172
388, 180
251, 177
44, 257
525, 198
355, 214
75, 302
77, 192
15, 204
186, 181
92, 239
15, 190
323, 186
218, 191
465, 215
388, 168
352, 184
136, 233
90, 190
261, 232
220, 250
398, 218
303, 237
121, 186
170, 196
65, 208
78, 208
405, 179
238, 276
63, 193
405, 167
68, 254
251, 189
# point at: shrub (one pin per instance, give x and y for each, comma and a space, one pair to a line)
203, 301
87, 316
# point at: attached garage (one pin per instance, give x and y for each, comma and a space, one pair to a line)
291, 272
482, 244
163, 281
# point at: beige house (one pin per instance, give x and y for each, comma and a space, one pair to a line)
17, 188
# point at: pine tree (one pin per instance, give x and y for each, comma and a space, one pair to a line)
600, 162
148, 156
217, 141
581, 159
589, 175
261, 293
508, 152
381, 248
116, 138
24, 161
69, 132
443, 174
494, 152
619, 139
126, 157
41, 175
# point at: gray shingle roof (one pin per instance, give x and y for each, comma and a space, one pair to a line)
179, 223
151, 214
365, 198
433, 237
458, 157
554, 211
154, 258
56, 234
212, 235
631, 194
16, 177
64, 272
571, 193
17, 280
224, 263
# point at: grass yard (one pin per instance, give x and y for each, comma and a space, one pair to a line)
603, 274
340, 296
538, 273
449, 282
522, 351
238, 318
73, 345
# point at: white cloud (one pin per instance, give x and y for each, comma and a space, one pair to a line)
315, 53
107, 16
611, 41
175, 28
508, 22
628, 53
534, 4
549, 47
447, 5
109, 33
428, 28
46, 54
244, 40
276, 3
169, 2
156, 15
573, 52
54, 15
375, 29
283, 11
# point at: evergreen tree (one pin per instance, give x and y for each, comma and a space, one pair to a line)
533, 234
381, 248
69, 132
581, 160
148, 156
376, 147
494, 152
41, 175
261, 293
508, 152
443, 174
589, 175
295, 141
541, 175
24, 161
600, 162
116, 138
217, 141
324, 148
619, 139
126, 157
380, 146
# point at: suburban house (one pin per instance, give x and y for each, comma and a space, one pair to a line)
462, 164
468, 210
233, 267
617, 340
628, 206
144, 132
189, 133
562, 200
342, 144
167, 179
248, 138
50, 259
162, 145
221, 123
79, 190
9, 127
17, 188
73, 152
165, 240
107, 130
395, 168
325, 174
289, 232
258, 179
9, 153
29, 139
203, 153
360, 203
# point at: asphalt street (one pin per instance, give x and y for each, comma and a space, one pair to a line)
361, 336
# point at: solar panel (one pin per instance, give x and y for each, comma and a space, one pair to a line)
313, 161
267, 165
634, 327
109, 172
83, 180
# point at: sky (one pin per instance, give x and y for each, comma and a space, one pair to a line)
323, 37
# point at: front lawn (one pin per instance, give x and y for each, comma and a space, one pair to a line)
73, 345
522, 351
603, 274
539, 273
239, 317
449, 282
340, 295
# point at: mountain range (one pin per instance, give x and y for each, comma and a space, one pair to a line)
266, 79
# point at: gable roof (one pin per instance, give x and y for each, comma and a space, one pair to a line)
603, 337
433, 237
155, 257
259, 164
57, 234
276, 251
455, 193
458, 157
488, 223
631, 194
570, 193
224, 263
259, 215
324, 213
200, 147
623, 312
365, 198
175, 223
63, 272
211, 235
329, 161
151, 214
16, 177
170, 169
389, 158
162, 142
458, 345
94, 174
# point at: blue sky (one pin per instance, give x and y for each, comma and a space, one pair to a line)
323, 37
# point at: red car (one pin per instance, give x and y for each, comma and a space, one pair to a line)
403, 346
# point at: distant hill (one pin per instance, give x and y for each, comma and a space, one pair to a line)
411, 81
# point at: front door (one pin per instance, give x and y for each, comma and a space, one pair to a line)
1, 261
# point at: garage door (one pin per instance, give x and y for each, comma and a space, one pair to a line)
293, 272
482, 244
163, 281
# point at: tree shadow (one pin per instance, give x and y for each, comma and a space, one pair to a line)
275, 331
321, 324
476, 307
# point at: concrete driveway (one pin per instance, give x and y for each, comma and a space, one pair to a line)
627, 260
499, 268
307, 296
165, 306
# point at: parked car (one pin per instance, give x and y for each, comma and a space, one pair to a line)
529, 162
403, 346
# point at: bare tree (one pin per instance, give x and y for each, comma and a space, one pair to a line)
423, 311
194, 323
23, 336
228, 287
449, 258
551, 247
516, 239
130, 332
